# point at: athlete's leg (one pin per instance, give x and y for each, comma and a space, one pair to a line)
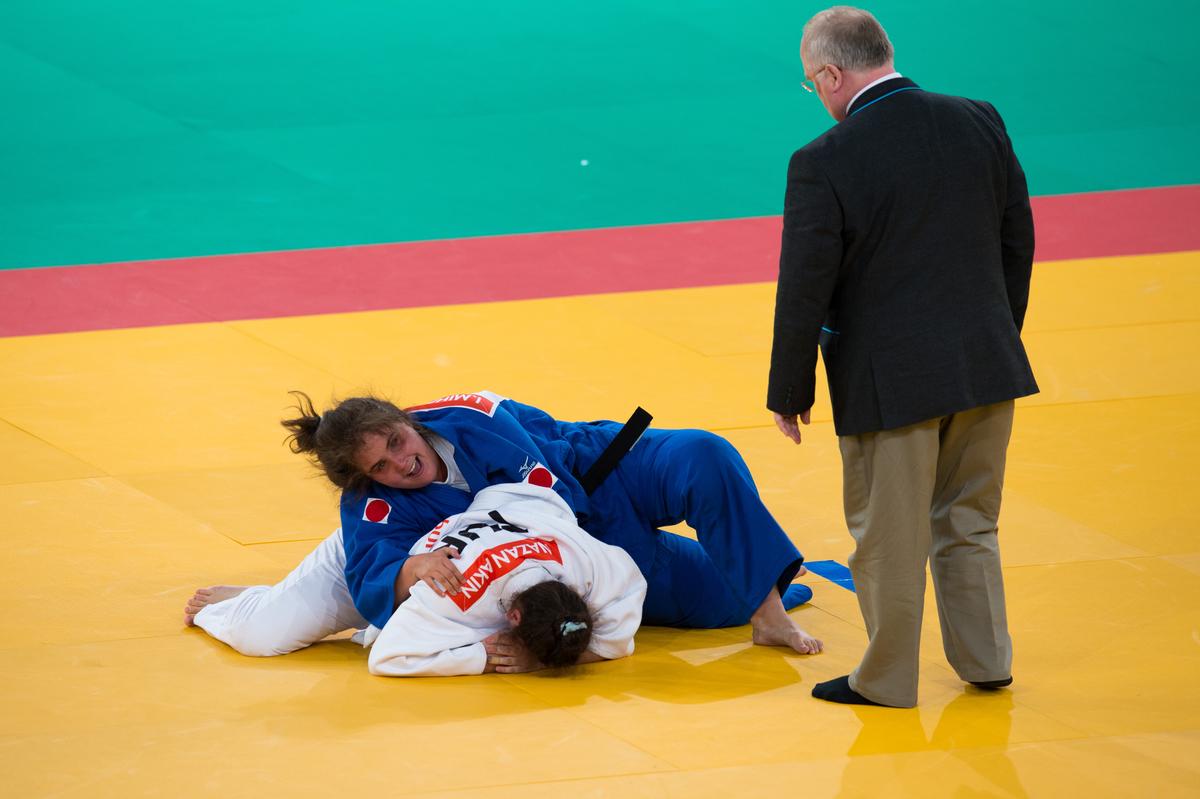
697, 477
686, 589
309, 604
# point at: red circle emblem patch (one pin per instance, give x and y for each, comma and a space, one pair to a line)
377, 511
541, 477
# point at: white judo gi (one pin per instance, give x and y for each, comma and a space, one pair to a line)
512, 537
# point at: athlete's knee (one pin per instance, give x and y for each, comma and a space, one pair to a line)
705, 450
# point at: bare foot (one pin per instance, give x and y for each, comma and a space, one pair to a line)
791, 635
208, 596
773, 627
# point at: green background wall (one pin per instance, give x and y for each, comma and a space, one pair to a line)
136, 129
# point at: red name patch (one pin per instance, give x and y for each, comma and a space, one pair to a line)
376, 511
499, 561
485, 402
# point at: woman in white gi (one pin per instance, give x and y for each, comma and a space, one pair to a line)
567, 597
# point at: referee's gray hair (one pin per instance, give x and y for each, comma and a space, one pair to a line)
848, 37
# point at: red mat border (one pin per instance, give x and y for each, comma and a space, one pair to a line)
496, 268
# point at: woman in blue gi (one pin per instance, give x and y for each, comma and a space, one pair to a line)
402, 472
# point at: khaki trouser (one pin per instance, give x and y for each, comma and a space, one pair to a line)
928, 491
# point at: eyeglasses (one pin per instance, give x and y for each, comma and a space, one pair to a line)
809, 84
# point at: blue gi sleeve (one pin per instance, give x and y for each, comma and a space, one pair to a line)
375, 553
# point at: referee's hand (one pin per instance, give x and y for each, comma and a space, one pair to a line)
788, 425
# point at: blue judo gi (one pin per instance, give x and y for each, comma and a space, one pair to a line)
669, 476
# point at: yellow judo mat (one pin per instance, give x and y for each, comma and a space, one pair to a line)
141, 464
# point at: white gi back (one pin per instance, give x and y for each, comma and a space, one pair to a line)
512, 537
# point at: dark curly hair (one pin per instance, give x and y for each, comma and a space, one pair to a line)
331, 439
556, 625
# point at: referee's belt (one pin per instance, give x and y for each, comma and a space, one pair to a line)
626, 437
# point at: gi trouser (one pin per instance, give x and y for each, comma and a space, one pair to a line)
694, 476
929, 491
307, 605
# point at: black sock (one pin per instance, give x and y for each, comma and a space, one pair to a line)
993, 685
839, 690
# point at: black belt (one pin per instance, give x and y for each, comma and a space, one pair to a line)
626, 437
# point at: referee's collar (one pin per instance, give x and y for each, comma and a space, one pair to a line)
877, 91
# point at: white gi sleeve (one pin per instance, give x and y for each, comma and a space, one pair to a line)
420, 641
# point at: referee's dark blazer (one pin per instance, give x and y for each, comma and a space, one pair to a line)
907, 253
